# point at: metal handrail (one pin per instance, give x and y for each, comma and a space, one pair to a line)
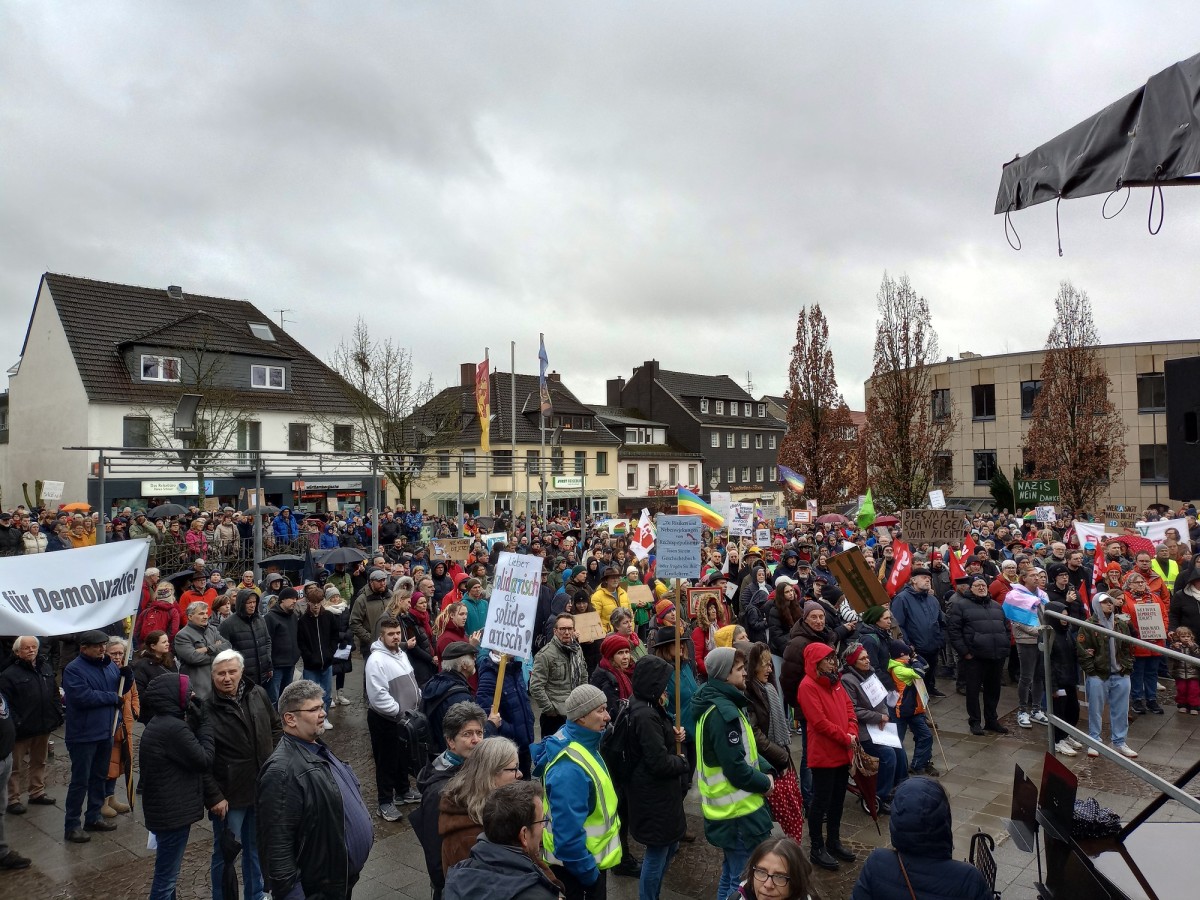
1140, 772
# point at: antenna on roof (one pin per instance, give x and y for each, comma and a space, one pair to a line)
283, 316
749, 383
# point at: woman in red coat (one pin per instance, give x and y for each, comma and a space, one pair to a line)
832, 730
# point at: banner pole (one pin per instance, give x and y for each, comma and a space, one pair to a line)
678, 667
499, 683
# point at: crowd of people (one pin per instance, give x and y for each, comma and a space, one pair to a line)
532, 782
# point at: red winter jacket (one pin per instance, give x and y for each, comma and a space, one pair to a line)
829, 712
160, 615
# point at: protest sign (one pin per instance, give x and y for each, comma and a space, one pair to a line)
1150, 622
698, 597
739, 520
801, 516
1031, 492
1120, 516
937, 499
931, 526
858, 582
588, 627
720, 500
1155, 532
512, 608
496, 537
1045, 514
63, 593
640, 596
762, 537
446, 549
678, 547
212, 504
52, 491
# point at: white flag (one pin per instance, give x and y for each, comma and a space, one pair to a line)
643, 537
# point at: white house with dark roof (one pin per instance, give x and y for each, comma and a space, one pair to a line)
650, 465
102, 363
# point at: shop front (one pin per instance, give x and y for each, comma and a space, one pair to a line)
320, 495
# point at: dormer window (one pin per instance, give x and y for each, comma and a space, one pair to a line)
720, 407
160, 368
762, 410
269, 377
703, 404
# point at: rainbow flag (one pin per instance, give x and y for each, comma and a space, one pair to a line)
792, 479
691, 505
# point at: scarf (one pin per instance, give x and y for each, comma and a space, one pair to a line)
624, 685
422, 617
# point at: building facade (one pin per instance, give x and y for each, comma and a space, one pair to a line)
651, 466
993, 396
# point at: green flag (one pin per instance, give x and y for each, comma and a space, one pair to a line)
866, 512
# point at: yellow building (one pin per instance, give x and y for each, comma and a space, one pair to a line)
579, 466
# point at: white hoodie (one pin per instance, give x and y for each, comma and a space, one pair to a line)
392, 687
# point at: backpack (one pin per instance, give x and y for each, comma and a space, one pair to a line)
414, 734
617, 745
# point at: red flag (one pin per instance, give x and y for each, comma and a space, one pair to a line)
968, 547
901, 568
1099, 567
956, 568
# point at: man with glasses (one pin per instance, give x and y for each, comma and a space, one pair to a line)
558, 669
506, 860
314, 831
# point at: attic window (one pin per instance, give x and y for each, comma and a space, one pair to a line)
267, 377
262, 331
160, 368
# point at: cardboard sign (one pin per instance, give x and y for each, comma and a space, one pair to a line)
447, 549
496, 537
1150, 622
52, 491
931, 526
212, 504
678, 542
1120, 516
512, 608
640, 596
588, 627
937, 499
857, 581
762, 537
1045, 514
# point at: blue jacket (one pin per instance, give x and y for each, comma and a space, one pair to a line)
90, 698
516, 715
921, 619
921, 833
329, 539
285, 529
570, 797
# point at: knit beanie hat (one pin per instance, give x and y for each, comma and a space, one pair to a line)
661, 608
810, 607
873, 614
612, 644
583, 700
896, 649
719, 662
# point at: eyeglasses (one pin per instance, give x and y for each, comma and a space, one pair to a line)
311, 709
543, 821
776, 878
516, 770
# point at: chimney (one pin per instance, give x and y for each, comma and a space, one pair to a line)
613, 389
651, 368
174, 292
466, 375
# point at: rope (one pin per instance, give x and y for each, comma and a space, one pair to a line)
1156, 188
1104, 208
1008, 226
1057, 227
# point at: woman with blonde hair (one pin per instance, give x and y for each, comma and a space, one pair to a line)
493, 764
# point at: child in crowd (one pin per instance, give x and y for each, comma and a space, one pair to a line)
910, 711
1186, 675
1061, 680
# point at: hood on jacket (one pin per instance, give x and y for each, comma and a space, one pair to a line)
813, 654
727, 699
458, 578
438, 565
168, 694
439, 685
920, 822
1061, 609
494, 870
399, 655
650, 677
542, 753
243, 597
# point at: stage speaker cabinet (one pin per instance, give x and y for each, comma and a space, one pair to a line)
1182, 378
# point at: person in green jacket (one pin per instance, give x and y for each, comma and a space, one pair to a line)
1106, 664
733, 777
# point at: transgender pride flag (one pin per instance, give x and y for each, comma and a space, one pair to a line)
1021, 606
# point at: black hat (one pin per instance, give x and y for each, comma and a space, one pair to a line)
975, 578
92, 638
288, 593
967, 579
6, 516
457, 650
664, 636
199, 574
921, 570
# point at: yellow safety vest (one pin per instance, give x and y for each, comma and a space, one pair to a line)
602, 826
719, 799
1168, 576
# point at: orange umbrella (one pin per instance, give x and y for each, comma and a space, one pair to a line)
76, 507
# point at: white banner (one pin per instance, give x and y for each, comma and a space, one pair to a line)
512, 608
720, 500
738, 520
70, 591
643, 537
937, 499
1155, 532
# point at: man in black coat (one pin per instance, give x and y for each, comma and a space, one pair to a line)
33, 698
317, 640
9, 859
245, 729
981, 636
282, 622
247, 633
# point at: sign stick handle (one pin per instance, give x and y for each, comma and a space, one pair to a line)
678, 666
499, 683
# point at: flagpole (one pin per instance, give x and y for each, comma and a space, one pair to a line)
542, 452
487, 468
512, 474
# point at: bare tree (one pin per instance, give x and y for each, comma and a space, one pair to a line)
821, 440
904, 432
1076, 434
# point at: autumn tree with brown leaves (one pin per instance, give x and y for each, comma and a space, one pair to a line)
1076, 434
821, 442
904, 436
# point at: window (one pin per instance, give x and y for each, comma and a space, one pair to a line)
262, 331
983, 401
943, 468
298, 437
1029, 392
758, 474
746, 409
343, 438
745, 440
556, 461
580, 462
985, 466
652, 476
730, 440
774, 474
249, 439
941, 403
672, 475
443, 461
502, 462
135, 431
720, 407
1152, 392
1153, 459
532, 458
599, 504
771, 441
716, 439
468, 462
267, 377
631, 477
1027, 466
602, 462
160, 368
733, 407
703, 404
692, 475
762, 410
732, 473
758, 441
745, 474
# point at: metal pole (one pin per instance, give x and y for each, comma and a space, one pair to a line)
542, 457
258, 502
375, 505
460, 500
100, 503
485, 508
512, 475
583, 494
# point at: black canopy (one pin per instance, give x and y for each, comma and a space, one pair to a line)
1148, 137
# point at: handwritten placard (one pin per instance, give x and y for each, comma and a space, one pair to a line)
1150, 621
678, 546
858, 582
512, 608
588, 627
446, 549
931, 526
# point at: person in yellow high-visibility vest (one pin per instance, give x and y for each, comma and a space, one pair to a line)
1165, 567
733, 778
581, 841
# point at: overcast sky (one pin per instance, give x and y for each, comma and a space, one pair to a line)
638, 181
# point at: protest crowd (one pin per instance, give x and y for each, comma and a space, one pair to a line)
765, 684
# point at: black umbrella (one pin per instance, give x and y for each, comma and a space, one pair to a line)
267, 510
180, 577
285, 561
344, 555
230, 848
166, 511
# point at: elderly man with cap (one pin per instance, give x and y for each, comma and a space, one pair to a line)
368, 609
981, 636
451, 686
733, 778
558, 669
581, 841
919, 614
92, 693
609, 595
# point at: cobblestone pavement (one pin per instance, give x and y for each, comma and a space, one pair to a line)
976, 771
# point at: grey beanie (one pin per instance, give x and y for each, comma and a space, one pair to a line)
719, 662
583, 700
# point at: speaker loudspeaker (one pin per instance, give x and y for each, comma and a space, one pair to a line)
1182, 378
